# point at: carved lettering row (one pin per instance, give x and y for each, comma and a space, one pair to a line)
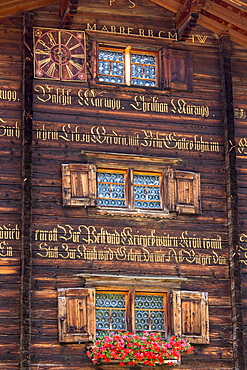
7, 233
101, 136
90, 243
145, 138
142, 255
141, 32
91, 235
97, 99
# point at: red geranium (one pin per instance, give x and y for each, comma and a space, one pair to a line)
136, 349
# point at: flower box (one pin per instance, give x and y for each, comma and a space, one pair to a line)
103, 365
137, 351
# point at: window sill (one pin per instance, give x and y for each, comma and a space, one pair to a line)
137, 214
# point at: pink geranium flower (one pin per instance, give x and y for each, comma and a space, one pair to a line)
138, 349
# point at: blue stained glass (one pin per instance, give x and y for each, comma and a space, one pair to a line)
110, 313
143, 59
111, 189
149, 72
143, 82
111, 55
104, 67
147, 191
150, 301
111, 66
143, 70
149, 313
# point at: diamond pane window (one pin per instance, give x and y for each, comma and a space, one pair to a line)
143, 69
111, 66
127, 67
111, 188
110, 313
149, 313
147, 191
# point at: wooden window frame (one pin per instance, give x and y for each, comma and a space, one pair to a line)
173, 183
186, 311
130, 307
129, 188
127, 51
174, 67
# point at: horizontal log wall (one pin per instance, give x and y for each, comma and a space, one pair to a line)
10, 190
55, 142
240, 85
63, 127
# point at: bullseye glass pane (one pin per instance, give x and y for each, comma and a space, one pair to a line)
111, 189
143, 69
110, 313
147, 191
150, 313
111, 66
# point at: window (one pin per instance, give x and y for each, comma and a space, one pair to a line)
165, 68
87, 313
150, 311
113, 187
127, 66
131, 188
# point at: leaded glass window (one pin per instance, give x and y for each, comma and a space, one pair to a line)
110, 313
149, 313
127, 67
147, 191
143, 69
111, 188
111, 66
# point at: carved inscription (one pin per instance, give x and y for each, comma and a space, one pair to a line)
97, 99
90, 243
146, 138
8, 233
9, 131
242, 145
124, 30
9, 95
240, 113
243, 248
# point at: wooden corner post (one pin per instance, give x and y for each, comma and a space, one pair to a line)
26, 215
232, 201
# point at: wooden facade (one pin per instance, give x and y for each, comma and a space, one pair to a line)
121, 183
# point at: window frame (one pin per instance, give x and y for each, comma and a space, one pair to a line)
174, 65
127, 64
129, 186
178, 303
172, 183
130, 310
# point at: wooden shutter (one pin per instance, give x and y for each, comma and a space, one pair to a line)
93, 60
190, 316
176, 69
183, 191
76, 315
79, 185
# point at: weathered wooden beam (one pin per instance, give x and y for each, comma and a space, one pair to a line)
9, 8
232, 201
68, 9
171, 5
216, 27
26, 211
229, 16
188, 8
185, 29
186, 18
